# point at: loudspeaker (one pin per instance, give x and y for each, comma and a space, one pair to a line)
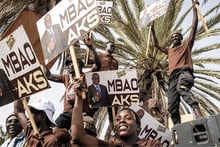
202, 132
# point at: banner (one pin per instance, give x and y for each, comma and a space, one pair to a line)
105, 10
151, 128
153, 12
121, 85
20, 65
28, 19
66, 23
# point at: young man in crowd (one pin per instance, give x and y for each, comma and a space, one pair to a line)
180, 62
42, 111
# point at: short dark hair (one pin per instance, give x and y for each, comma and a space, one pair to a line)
80, 63
95, 74
178, 31
68, 61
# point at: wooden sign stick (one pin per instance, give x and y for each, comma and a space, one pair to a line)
148, 40
87, 56
74, 61
76, 68
202, 19
33, 124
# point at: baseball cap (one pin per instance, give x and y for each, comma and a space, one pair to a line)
44, 105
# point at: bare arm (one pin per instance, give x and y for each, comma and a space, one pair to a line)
20, 113
55, 78
96, 60
194, 24
77, 130
155, 40
52, 77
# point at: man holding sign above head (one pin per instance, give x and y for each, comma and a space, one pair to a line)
108, 62
64, 119
107, 59
181, 69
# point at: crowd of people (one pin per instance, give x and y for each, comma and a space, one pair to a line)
75, 126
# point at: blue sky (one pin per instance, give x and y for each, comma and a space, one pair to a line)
57, 90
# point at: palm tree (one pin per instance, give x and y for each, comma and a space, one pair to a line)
152, 68
131, 44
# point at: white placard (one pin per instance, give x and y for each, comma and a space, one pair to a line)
151, 128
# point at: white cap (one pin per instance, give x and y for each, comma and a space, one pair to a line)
44, 105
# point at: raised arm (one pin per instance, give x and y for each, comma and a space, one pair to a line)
52, 77
77, 130
155, 40
55, 78
194, 24
96, 60
20, 113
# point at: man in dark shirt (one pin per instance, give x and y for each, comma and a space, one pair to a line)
53, 40
97, 93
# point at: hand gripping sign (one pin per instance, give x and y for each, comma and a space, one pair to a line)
151, 13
